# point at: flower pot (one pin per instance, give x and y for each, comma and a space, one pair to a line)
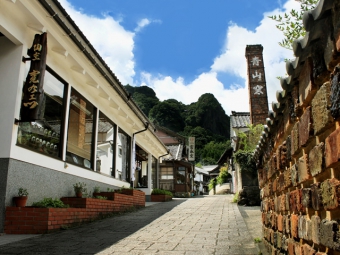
79, 194
20, 201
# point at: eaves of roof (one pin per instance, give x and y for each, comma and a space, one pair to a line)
240, 119
321, 26
59, 14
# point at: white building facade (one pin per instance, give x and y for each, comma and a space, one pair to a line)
86, 125
239, 122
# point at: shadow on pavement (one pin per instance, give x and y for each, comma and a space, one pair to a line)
253, 219
93, 237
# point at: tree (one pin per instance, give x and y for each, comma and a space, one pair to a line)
208, 113
144, 102
143, 96
223, 175
212, 151
250, 138
212, 184
291, 23
248, 141
167, 115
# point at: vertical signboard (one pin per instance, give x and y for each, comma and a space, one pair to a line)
33, 92
257, 89
191, 149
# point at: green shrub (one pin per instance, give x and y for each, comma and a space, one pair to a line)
50, 203
235, 198
22, 192
223, 175
101, 197
212, 183
257, 240
161, 192
79, 187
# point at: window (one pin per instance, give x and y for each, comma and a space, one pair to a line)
105, 145
123, 162
141, 168
167, 173
80, 131
180, 176
44, 135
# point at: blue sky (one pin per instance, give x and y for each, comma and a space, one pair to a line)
185, 48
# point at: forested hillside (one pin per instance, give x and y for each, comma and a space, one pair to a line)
204, 119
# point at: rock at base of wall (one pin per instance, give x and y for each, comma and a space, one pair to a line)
250, 196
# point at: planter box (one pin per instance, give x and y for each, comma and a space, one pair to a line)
109, 195
160, 198
31, 220
120, 203
138, 196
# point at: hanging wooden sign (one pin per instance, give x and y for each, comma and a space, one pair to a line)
191, 149
33, 92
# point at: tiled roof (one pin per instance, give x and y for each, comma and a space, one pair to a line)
319, 24
239, 119
210, 167
200, 170
175, 151
225, 156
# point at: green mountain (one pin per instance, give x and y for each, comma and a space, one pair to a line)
204, 119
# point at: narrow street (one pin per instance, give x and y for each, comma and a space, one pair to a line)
201, 225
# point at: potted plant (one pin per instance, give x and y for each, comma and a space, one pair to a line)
21, 199
96, 191
79, 188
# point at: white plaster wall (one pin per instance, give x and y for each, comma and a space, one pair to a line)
233, 178
16, 18
239, 177
10, 70
119, 158
236, 131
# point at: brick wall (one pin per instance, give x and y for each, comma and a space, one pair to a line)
30, 220
298, 158
160, 198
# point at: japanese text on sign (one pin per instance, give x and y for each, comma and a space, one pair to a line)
33, 79
191, 149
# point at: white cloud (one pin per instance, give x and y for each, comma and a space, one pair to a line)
165, 88
142, 23
116, 44
110, 39
232, 60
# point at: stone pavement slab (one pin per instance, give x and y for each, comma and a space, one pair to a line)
199, 225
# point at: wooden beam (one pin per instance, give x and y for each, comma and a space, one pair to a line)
128, 120
37, 27
60, 51
121, 112
113, 104
78, 69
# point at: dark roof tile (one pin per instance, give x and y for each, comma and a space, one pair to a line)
239, 119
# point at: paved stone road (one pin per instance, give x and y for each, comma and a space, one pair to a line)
203, 225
